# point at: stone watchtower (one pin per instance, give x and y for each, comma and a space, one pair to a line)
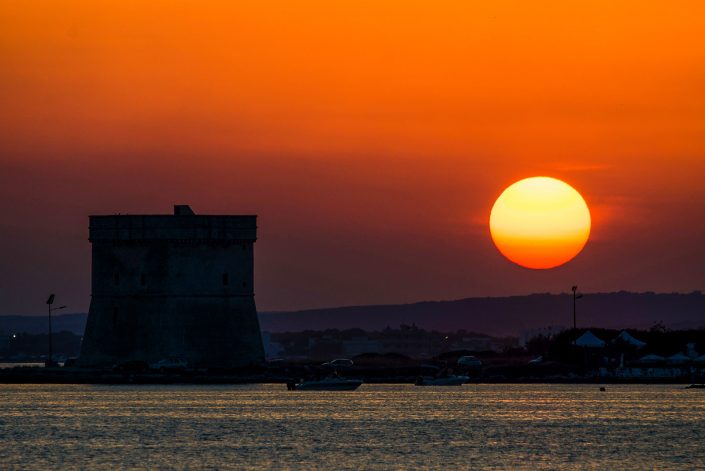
172, 286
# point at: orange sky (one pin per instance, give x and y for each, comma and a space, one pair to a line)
371, 138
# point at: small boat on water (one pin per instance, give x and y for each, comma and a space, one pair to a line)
328, 384
696, 386
452, 380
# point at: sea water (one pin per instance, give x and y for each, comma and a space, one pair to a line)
376, 427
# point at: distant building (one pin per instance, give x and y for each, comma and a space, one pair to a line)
479, 343
411, 341
172, 286
271, 349
360, 345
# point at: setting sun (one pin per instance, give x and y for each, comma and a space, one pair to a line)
540, 222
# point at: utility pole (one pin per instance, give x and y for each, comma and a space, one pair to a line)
575, 288
50, 301
576, 295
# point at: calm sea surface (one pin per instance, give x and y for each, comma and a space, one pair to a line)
375, 427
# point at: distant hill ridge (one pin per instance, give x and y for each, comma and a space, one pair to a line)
507, 316
500, 316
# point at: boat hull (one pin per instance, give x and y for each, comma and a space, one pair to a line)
346, 385
450, 381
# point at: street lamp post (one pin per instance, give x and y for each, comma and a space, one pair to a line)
576, 295
50, 301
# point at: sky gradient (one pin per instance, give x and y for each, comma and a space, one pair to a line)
371, 138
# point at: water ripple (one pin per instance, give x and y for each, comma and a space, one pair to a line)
376, 427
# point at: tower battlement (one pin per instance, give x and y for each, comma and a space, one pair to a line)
173, 227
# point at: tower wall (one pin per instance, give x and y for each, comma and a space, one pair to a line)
176, 286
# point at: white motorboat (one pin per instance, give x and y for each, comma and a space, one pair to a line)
452, 380
329, 384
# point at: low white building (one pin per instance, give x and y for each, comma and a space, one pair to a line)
589, 340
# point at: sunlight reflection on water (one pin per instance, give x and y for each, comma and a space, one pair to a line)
375, 427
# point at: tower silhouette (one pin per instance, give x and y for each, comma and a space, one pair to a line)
172, 286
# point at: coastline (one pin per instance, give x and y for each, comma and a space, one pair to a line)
35, 375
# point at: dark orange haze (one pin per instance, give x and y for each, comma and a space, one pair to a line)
371, 137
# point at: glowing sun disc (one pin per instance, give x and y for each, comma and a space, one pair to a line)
540, 222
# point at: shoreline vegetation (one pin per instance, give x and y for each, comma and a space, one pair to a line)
653, 356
